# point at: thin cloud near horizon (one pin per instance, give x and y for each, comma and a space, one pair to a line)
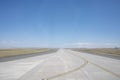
15, 44
59, 23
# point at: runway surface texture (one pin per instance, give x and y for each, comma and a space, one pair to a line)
63, 64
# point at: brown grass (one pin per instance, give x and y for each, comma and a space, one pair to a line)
99, 50
13, 52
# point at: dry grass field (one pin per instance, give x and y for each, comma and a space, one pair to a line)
13, 52
113, 51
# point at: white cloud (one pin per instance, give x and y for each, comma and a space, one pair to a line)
94, 45
17, 44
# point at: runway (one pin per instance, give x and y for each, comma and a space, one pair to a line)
64, 64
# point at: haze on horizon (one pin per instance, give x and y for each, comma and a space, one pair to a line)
59, 23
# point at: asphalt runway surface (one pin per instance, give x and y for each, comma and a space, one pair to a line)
63, 64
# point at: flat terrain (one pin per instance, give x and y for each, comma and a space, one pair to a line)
64, 64
107, 52
99, 50
14, 52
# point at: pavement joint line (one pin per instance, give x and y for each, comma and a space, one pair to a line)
24, 76
107, 70
71, 71
80, 67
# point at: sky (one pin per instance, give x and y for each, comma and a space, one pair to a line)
59, 23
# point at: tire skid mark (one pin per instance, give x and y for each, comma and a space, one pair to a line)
106, 70
70, 71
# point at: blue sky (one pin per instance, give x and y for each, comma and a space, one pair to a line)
59, 23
